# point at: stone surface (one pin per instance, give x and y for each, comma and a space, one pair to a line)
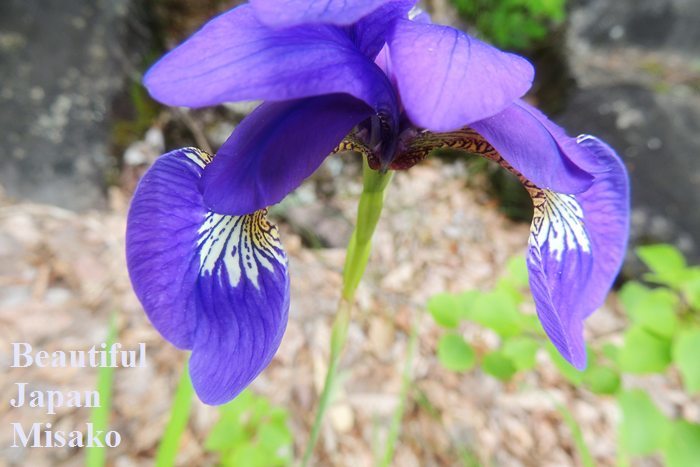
63, 64
638, 74
658, 136
672, 25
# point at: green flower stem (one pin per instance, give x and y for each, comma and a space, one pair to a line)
179, 416
368, 212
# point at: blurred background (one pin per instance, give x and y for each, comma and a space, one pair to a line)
78, 130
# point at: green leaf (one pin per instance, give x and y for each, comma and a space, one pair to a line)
454, 353
251, 432
644, 429
498, 365
632, 294
465, 302
691, 288
666, 263
610, 351
504, 287
573, 375
661, 258
601, 379
656, 312
531, 324
275, 440
517, 275
444, 308
498, 311
227, 431
643, 352
686, 350
683, 446
522, 351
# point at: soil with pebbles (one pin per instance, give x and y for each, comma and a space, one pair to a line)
63, 275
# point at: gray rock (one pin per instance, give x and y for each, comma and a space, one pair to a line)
658, 136
62, 65
633, 61
653, 24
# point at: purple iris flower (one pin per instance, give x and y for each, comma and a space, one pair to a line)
370, 76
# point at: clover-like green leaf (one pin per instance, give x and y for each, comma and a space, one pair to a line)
444, 309
656, 312
666, 263
455, 353
632, 294
601, 379
691, 287
644, 352
686, 353
683, 445
644, 429
522, 351
251, 432
498, 311
498, 365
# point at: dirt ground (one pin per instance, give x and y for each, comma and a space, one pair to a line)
62, 274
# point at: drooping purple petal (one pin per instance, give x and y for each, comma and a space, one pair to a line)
212, 283
448, 80
286, 13
537, 148
577, 244
234, 57
607, 209
275, 148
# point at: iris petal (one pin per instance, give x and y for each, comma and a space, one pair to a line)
447, 79
370, 33
234, 57
577, 241
577, 245
275, 148
537, 148
579, 232
286, 13
578, 236
212, 283
607, 209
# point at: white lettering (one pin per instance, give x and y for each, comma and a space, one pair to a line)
17, 354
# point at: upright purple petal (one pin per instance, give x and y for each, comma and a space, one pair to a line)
212, 283
577, 244
234, 57
371, 32
448, 79
286, 13
419, 16
275, 148
537, 148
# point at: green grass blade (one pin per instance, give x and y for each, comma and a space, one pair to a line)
96, 456
584, 453
179, 416
407, 377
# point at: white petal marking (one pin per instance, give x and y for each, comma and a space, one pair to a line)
557, 223
235, 245
238, 245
